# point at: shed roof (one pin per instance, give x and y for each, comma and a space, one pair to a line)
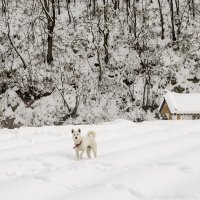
182, 103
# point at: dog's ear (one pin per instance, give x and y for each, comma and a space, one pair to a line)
79, 130
72, 130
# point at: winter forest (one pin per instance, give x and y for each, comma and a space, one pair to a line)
88, 61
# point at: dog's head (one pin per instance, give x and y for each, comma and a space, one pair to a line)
76, 135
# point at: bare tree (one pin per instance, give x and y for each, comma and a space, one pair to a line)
94, 7
161, 19
134, 18
116, 4
48, 7
68, 10
171, 4
4, 6
15, 48
177, 3
105, 31
59, 7
193, 8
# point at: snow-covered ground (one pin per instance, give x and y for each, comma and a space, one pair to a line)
150, 160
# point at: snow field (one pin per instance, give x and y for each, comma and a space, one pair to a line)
150, 160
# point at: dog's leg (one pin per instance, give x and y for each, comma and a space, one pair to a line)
77, 154
95, 152
81, 156
94, 149
88, 152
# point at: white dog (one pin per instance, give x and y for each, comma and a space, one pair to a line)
84, 143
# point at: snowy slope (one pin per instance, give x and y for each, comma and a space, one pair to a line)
150, 160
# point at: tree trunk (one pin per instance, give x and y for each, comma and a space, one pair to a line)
161, 19
105, 33
177, 7
3, 7
50, 45
135, 19
172, 20
51, 17
94, 7
59, 7
68, 10
193, 8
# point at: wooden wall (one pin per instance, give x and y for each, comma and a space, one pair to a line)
165, 110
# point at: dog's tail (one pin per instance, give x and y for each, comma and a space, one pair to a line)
91, 133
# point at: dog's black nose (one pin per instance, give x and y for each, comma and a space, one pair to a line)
76, 138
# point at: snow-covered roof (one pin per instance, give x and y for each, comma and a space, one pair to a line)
182, 103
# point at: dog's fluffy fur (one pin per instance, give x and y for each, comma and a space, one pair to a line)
87, 143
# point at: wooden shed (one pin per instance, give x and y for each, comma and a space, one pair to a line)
180, 106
